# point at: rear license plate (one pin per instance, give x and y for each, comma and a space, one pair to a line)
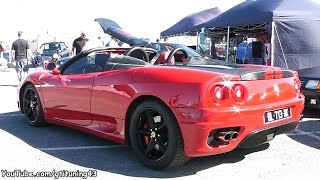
276, 115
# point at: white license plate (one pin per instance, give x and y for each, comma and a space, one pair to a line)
277, 114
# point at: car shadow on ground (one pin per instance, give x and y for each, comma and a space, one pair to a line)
120, 160
308, 132
311, 113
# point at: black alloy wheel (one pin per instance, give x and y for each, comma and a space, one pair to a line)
155, 136
32, 107
152, 137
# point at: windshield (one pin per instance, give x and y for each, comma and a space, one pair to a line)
50, 46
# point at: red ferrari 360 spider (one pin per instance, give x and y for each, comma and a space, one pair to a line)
167, 107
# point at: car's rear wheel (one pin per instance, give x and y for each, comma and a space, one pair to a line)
155, 136
32, 107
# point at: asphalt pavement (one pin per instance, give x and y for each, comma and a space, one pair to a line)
8, 76
59, 151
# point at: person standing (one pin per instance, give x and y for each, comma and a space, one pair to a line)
213, 50
3, 61
1, 50
20, 53
38, 61
78, 44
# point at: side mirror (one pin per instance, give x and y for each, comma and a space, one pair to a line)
50, 66
56, 71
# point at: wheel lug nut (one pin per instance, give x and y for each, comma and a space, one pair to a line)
158, 135
156, 129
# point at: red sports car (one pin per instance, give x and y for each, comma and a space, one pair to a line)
167, 107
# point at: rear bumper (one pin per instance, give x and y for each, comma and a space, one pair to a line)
260, 137
312, 98
198, 125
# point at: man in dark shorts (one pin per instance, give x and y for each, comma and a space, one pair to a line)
19, 53
78, 44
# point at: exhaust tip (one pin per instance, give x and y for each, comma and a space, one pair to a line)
224, 136
227, 136
234, 135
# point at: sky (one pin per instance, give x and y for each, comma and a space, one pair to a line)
141, 18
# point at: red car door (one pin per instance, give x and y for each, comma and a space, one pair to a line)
67, 96
110, 97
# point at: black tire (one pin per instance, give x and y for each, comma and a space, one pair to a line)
32, 107
156, 137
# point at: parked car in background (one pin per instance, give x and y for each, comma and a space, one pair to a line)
310, 86
51, 48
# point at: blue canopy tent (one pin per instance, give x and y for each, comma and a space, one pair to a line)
189, 23
293, 25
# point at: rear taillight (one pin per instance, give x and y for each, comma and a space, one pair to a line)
219, 93
238, 92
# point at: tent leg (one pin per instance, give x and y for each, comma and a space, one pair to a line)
273, 26
197, 47
228, 36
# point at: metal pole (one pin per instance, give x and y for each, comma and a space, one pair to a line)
197, 48
227, 55
272, 42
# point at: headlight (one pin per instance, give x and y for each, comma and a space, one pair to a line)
313, 84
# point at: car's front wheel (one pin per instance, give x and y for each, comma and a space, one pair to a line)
32, 107
155, 136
